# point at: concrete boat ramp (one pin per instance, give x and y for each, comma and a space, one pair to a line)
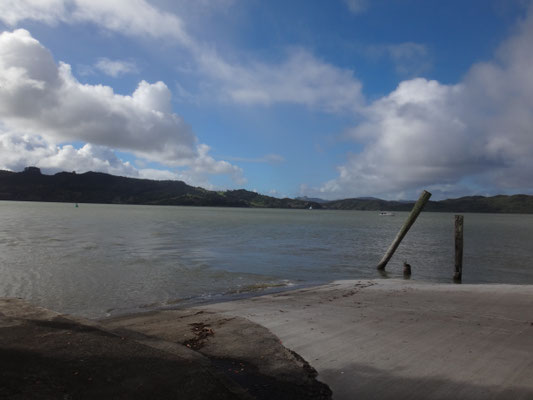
376, 339
401, 340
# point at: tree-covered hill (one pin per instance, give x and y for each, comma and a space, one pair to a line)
515, 204
96, 187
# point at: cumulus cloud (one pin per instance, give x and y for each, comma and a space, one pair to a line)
41, 98
299, 79
116, 68
199, 171
204, 164
427, 134
38, 95
197, 176
19, 151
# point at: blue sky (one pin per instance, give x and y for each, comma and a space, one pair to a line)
322, 98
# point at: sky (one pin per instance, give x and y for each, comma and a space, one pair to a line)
319, 98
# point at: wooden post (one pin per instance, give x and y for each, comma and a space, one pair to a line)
458, 248
417, 208
406, 269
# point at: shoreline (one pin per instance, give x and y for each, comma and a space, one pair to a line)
205, 301
381, 338
405, 339
393, 338
303, 205
200, 301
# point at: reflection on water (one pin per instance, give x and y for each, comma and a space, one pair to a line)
97, 259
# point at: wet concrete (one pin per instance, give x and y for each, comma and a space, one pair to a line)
396, 339
377, 339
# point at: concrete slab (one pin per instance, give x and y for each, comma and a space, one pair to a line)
245, 352
185, 354
372, 339
44, 355
395, 339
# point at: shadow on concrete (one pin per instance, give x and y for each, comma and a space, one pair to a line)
62, 323
30, 375
63, 359
59, 359
359, 381
243, 351
264, 387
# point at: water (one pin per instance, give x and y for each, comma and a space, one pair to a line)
99, 260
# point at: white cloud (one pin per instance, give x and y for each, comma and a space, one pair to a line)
195, 12
47, 11
199, 171
116, 68
413, 137
129, 17
300, 79
205, 164
19, 151
40, 98
426, 134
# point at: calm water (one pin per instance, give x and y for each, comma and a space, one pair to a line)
98, 260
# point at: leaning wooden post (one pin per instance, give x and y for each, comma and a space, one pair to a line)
419, 205
458, 248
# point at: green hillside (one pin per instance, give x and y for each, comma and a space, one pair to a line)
96, 187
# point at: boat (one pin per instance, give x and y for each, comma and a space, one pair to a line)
386, 213
310, 207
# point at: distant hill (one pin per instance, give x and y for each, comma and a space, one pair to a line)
370, 204
313, 199
516, 204
96, 187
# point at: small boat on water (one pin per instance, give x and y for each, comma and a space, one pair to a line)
310, 207
386, 213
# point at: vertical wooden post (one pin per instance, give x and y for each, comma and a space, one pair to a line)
458, 248
417, 208
406, 269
